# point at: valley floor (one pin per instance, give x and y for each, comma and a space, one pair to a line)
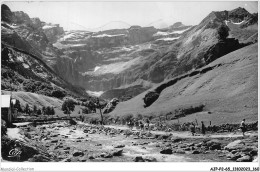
65, 143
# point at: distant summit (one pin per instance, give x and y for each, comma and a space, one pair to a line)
176, 25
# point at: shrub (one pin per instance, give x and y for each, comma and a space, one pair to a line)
68, 106
128, 117
58, 94
139, 116
223, 32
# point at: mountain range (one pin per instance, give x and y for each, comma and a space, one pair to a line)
42, 58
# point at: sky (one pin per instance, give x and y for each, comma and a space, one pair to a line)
96, 15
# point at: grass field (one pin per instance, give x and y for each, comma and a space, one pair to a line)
229, 91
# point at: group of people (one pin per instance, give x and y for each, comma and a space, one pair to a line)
203, 128
141, 124
193, 128
145, 125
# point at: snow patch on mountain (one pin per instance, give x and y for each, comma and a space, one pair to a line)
168, 39
180, 31
239, 22
161, 33
106, 35
96, 68
95, 93
26, 65
113, 68
48, 27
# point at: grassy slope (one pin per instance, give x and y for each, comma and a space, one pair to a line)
40, 101
228, 91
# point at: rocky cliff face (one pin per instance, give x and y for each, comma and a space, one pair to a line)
26, 53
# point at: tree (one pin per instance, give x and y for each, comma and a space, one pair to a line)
68, 106
27, 109
99, 106
48, 110
34, 109
52, 111
18, 106
39, 112
43, 110
223, 32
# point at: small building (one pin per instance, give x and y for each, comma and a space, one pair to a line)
6, 108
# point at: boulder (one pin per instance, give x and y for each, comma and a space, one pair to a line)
80, 138
66, 151
117, 152
39, 158
67, 160
182, 146
215, 147
92, 131
119, 146
144, 143
234, 151
166, 151
106, 155
256, 159
190, 144
254, 152
235, 156
54, 141
180, 151
157, 145
195, 152
187, 149
237, 144
245, 158
72, 122
55, 135
139, 159
199, 144
66, 148
150, 159
78, 153
175, 140
86, 131
91, 157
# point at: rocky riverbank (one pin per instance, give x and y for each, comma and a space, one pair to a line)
80, 143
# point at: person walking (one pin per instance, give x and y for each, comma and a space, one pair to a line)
141, 125
203, 129
147, 124
243, 126
192, 129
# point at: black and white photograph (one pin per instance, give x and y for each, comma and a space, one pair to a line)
119, 82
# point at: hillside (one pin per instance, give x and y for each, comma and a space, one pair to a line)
35, 99
43, 101
227, 87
